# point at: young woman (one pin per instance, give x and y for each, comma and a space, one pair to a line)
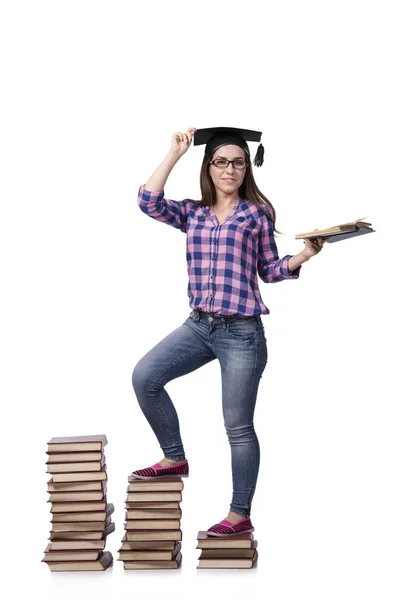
230, 238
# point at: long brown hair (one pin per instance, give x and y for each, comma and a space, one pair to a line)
248, 190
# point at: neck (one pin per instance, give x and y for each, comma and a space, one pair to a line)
224, 200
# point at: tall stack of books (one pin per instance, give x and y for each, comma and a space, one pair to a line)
236, 552
81, 517
153, 535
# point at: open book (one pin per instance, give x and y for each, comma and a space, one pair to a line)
339, 232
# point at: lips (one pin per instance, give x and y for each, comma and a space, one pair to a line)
230, 179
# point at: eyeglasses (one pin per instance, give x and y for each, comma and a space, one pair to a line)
222, 163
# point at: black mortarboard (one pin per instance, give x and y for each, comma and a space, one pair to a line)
215, 137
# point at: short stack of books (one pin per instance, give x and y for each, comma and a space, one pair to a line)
81, 517
236, 552
153, 535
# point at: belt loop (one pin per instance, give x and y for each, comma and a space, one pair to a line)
223, 320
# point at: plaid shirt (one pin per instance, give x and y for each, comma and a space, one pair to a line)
223, 259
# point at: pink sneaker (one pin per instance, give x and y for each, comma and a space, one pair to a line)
157, 471
226, 529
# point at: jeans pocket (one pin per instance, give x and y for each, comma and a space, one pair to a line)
242, 329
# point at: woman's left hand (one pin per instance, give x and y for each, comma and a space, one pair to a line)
313, 247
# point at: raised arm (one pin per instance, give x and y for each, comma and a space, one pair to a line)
171, 212
151, 194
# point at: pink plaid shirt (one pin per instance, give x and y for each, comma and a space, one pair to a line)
223, 259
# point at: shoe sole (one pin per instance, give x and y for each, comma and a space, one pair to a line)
229, 534
148, 477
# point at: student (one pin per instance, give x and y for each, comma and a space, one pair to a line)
230, 238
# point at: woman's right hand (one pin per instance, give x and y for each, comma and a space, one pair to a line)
181, 141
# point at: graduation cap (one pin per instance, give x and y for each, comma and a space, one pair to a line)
215, 137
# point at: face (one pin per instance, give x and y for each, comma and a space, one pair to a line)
228, 179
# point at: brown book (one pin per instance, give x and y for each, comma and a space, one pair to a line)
76, 467
82, 535
244, 540
338, 232
128, 555
77, 545
83, 516
66, 507
137, 505
158, 534
154, 496
81, 526
101, 564
229, 552
147, 544
56, 497
161, 485
56, 536
148, 524
72, 457
153, 513
64, 555
85, 476
228, 563
80, 443
78, 517
154, 564
76, 486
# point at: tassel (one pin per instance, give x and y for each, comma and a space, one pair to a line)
259, 157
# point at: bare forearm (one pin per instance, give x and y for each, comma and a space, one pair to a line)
296, 260
157, 181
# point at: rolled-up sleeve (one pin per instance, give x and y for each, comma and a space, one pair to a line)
171, 212
270, 267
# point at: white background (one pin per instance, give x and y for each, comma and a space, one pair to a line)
91, 95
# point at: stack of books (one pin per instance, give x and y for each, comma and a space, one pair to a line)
153, 535
236, 552
81, 517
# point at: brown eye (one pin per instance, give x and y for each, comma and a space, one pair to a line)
239, 163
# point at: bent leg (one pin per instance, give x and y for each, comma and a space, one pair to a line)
179, 353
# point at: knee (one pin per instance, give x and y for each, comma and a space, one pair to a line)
139, 378
239, 432
143, 381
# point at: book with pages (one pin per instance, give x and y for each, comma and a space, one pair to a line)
338, 232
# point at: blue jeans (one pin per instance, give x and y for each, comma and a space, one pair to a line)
240, 345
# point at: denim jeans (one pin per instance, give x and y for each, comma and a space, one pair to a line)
240, 345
